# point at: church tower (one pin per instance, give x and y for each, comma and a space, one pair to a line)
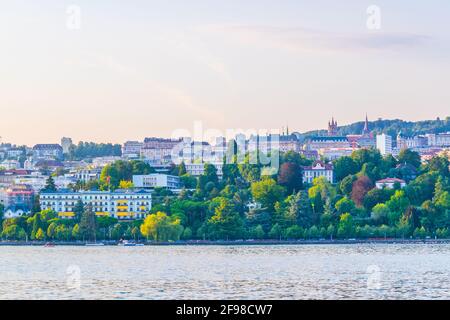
332, 128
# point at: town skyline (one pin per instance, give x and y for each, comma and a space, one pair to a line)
282, 130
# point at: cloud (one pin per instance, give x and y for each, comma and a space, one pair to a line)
306, 40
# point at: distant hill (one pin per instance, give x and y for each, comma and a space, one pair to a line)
391, 127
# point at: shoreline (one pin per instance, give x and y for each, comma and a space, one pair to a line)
226, 243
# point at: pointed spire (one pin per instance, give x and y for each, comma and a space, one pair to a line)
366, 126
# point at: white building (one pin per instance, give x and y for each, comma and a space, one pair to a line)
318, 169
389, 183
156, 180
439, 140
197, 169
132, 149
120, 204
10, 164
335, 153
384, 144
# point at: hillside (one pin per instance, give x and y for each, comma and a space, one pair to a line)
392, 127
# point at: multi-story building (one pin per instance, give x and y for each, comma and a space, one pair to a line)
48, 151
335, 153
158, 151
384, 144
88, 174
197, 169
439, 140
132, 149
316, 143
156, 180
17, 200
120, 204
318, 169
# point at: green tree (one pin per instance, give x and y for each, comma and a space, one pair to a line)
87, 225
410, 157
50, 185
267, 192
161, 227
346, 226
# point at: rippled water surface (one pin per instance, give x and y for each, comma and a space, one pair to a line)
227, 272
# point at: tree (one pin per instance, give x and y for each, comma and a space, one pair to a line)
78, 210
276, 232
124, 184
346, 185
87, 225
346, 226
360, 188
343, 167
225, 223
161, 227
397, 206
410, 157
40, 235
267, 192
257, 232
380, 213
50, 185
290, 177
37, 224
345, 205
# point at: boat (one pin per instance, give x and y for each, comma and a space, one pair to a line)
49, 245
127, 243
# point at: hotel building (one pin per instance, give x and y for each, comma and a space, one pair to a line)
120, 204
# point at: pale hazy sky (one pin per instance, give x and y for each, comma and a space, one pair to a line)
147, 68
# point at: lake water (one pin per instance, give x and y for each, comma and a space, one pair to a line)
366, 271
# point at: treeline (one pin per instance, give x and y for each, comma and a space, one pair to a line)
91, 150
393, 127
252, 202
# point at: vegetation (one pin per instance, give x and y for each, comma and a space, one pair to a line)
91, 150
247, 204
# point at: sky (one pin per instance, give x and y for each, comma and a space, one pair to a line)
111, 71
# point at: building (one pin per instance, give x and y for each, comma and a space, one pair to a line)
439, 140
17, 201
158, 151
363, 140
332, 128
197, 169
156, 180
318, 169
384, 144
335, 153
48, 151
120, 204
10, 164
88, 174
132, 149
37, 181
389, 183
316, 143
65, 144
